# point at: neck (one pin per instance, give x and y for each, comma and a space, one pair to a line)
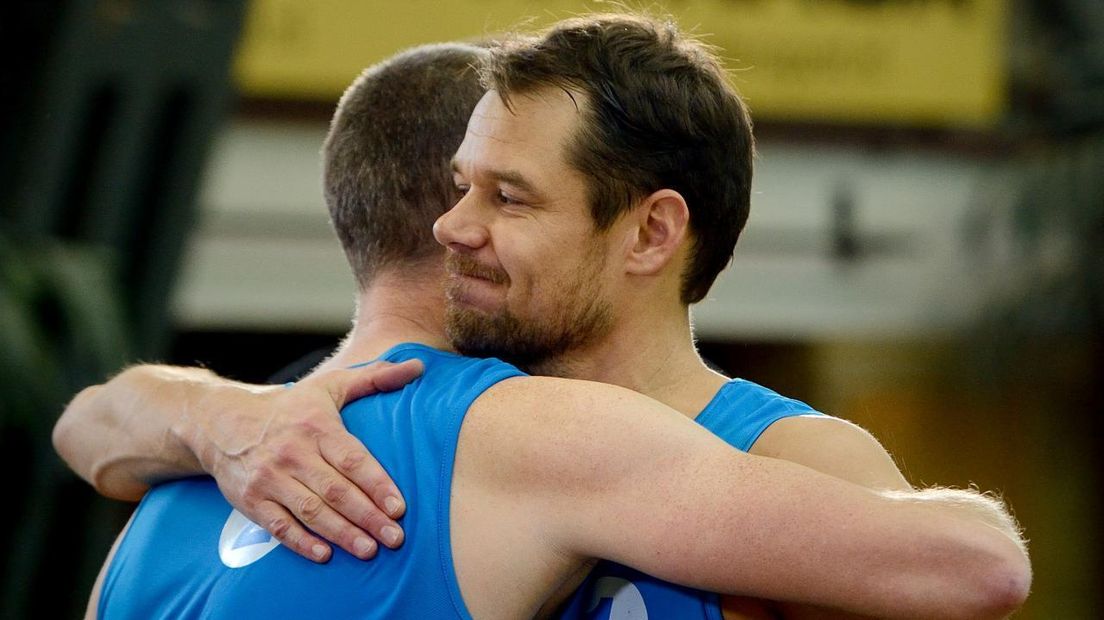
650, 352
398, 307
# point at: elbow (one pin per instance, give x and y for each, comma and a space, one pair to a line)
985, 574
90, 442
60, 437
65, 436
1007, 585
1000, 585
71, 441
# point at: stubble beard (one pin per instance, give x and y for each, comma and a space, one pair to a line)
579, 316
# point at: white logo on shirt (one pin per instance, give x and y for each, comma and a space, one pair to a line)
243, 542
628, 603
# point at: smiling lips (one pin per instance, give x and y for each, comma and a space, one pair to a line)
463, 265
472, 284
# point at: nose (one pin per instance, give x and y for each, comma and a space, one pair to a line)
459, 228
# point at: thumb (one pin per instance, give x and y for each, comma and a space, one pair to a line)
351, 384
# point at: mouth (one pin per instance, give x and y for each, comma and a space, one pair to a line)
460, 267
473, 285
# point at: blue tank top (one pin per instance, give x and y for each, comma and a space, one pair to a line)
739, 413
187, 554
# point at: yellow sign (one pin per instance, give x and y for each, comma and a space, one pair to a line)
915, 62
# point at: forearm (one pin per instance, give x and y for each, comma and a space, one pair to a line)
126, 434
972, 505
974, 511
994, 574
922, 554
846, 451
781, 532
938, 553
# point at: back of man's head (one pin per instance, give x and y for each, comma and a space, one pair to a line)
658, 112
386, 173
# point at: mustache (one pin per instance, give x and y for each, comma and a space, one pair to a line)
462, 264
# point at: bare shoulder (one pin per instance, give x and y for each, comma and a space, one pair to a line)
527, 405
832, 446
534, 430
546, 454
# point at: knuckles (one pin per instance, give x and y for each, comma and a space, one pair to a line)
334, 491
350, 460
286, 454
280, 528
309, 507
259, 477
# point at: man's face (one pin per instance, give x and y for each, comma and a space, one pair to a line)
527, 272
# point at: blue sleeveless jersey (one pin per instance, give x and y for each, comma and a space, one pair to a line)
187, 554
739, 413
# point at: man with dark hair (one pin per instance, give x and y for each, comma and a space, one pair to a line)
610, 162
548, 473
654, 112
658, 113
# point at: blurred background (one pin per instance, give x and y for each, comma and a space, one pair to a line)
924, 254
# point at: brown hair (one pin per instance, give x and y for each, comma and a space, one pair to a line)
386, 173
658, 113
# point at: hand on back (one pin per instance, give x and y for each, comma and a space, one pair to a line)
283, 458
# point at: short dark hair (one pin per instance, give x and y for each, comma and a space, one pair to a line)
386, 174
659, 113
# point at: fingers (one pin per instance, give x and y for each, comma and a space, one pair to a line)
393, 377
340, 493
354, 463
377, 500
354, 383
286, 529
308, 481
312, 519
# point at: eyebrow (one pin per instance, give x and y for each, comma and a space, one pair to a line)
511, 177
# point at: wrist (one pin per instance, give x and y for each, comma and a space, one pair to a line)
208, 424
186, 395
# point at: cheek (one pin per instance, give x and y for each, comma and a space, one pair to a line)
537, 281
546, 264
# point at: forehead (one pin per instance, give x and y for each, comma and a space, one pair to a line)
528, 137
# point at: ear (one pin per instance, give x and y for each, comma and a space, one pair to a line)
662, 221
